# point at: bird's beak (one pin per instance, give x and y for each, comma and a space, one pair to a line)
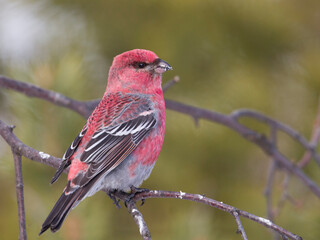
161, 66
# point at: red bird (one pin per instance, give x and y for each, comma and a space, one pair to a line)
120, 143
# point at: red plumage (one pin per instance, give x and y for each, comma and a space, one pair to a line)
121, 141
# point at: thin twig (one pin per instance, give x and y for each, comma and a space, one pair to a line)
170, 83
35, 155
271, 174
220, 205
230, 121
20, 197
138, 218
23, 149
51, 96
268, 190
315, 138
280, 126
250, 135
285, 196
239, 224
268, 194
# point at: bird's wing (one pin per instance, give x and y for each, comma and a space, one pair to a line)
111, 145
118, 124
70, 151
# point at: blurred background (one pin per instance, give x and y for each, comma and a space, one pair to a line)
262, 55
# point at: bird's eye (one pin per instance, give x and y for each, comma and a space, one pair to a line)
141, 64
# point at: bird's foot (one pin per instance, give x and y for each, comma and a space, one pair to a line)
135, 190
133, 193
112, 196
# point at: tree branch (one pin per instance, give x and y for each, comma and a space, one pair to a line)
271, 176
280, 126
20, 197
270, 180
83, 108
216, 204
170, 83
268, 190
250, 135
19, 147
230, 121
138, 218
315, 138
239, 224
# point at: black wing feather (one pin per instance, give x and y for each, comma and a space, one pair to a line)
110, 146
65, 163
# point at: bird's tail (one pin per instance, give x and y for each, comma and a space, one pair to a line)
61, 209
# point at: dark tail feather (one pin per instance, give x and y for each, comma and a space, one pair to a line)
62, 167
65, 204
61, 210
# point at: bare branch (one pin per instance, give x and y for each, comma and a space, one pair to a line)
170, 83
315, 138
51, 96
268, 190
220, 205
20, 197
285, 196
271, 174
280, 126
138, 218
230, 121
250, 135
272, 212
239, 224
85, 108
19, 147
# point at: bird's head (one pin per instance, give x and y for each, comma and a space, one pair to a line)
137, 70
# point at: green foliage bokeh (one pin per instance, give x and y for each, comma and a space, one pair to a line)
262, 55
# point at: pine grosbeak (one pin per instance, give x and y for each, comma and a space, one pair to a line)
121, 140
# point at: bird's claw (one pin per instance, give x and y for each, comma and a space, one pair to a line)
135, 190
114, 199
133, 193
126, 197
